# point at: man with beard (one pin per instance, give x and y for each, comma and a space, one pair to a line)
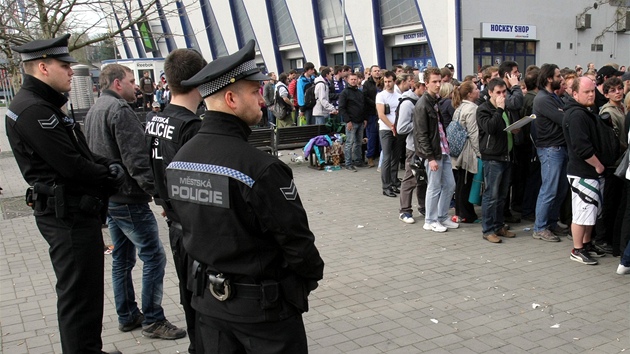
371, 130
552, 152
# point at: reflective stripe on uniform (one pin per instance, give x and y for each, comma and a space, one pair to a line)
213, 169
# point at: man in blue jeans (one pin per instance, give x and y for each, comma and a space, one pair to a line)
552, 153
351, 105
495, 146
113, 130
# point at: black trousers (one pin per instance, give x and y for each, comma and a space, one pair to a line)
604, 228
76, 252
223, 337
463, 208
182, 267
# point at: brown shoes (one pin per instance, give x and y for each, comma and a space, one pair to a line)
492, 238
370, 162
505, 233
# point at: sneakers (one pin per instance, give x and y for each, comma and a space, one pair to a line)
581, 255
434, 226
135, 323
622, 269
163, 330
492, 238
593, 250
603, 247
406, 218
351, 168
449, 224
422, 210
505, 233
545, 235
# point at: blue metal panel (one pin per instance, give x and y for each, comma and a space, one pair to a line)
321, 49
237, 28
166, 29
274, 37
123, 38
378, 33
189, 36
204, 6
135, 34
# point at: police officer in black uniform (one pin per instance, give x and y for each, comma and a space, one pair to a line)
69, 189
169, 130
243, 222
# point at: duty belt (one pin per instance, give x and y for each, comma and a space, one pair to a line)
222, 289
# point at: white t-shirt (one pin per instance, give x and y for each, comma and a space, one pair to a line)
385, 97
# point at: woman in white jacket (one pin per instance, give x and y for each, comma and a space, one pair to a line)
464, 97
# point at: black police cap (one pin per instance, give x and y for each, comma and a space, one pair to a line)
227, 70
46, 48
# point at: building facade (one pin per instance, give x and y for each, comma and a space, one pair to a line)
418, 33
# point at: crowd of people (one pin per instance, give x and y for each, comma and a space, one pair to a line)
547, 145
535, 171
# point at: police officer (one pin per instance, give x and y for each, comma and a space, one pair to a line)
169, 131
243, 222
69, 188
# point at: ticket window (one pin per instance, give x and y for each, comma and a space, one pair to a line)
416, 56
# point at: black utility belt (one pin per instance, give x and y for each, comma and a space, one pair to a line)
42, 198
222, 289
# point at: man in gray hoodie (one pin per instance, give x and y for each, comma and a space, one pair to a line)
113, 129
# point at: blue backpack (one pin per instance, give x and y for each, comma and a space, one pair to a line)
456, 135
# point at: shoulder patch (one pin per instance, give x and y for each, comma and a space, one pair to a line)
198, 187
49, 123
290, 192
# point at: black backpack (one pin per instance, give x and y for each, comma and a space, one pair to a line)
309, 94
607, 144
400, 102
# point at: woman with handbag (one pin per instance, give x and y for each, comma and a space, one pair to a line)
464, 97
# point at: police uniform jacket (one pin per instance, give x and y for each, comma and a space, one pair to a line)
49, 146
168, 131
242, 217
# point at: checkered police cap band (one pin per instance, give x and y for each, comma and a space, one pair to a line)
245, 69
54, 51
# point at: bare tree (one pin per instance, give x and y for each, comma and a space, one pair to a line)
90, 22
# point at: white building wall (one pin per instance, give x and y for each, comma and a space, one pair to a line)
302, 15
440, 27
359, 14
257, 12
223, 14
199, 28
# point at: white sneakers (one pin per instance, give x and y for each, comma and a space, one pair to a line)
434, 226
450, 224
622, 269
440, 226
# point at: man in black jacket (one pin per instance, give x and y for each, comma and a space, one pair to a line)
370, 90
495, 146
351, 111
584, 169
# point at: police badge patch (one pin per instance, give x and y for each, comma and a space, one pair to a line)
290, 192
49, 123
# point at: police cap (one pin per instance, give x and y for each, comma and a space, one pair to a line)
46, 48
227, 70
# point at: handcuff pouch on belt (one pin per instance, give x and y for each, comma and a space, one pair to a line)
219, 286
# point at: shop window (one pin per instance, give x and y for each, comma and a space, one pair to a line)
416, 56
495, 52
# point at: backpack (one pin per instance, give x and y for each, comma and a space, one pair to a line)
607, 143
309, 94
400, 102
456, 135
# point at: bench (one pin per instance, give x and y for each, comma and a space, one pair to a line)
297, 137
263, 139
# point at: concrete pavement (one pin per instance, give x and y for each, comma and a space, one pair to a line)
389, 287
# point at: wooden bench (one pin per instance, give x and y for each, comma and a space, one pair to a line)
297, 137
263, 139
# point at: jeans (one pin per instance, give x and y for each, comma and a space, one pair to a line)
554, 187
624, 242
270, 116
496, 177
133, 226
371, 131
352, 146
389, 168
440, 189
320, 119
